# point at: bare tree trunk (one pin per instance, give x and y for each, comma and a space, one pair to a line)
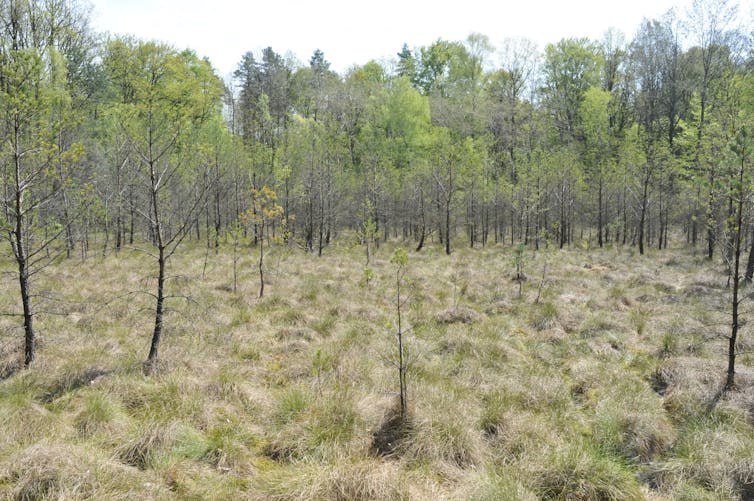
711, 216
218, 215
261, 263
30, 338
159, 310
19, 243
132, 216
735, 321
69, 237
447, 226
644, 207
750, 262
600, 215
423, 222
161, 263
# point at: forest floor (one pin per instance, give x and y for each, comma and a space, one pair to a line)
600, 380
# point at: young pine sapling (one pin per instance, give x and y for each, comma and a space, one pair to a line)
265, 210
368, 236
739, 183
519, 257
543, 278
400, 260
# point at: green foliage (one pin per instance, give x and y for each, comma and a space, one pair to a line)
570, 68
368, 275
399, 258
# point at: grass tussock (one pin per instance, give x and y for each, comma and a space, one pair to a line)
59, 471
358, 480
579, 472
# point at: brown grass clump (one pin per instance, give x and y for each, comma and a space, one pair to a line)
443, 437
578, 472
517, 436
10, 360
142, 450
460, 314
25, 422
99, 414
689, 385
161, 442
500, 483
357, 480
72, 380
311, 425
58, 471
714, 452
543, 316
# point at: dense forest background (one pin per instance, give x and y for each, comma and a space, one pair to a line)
616, 140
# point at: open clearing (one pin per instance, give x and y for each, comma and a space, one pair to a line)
601, 381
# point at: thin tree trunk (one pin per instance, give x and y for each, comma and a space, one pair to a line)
161, 263
159, 310
261, 264
711, 216
423, 222
750, 262
643, 217
731, 374
30, 338
18, 242
600, 216
447, 226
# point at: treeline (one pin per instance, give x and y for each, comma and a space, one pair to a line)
600, 141
108, 141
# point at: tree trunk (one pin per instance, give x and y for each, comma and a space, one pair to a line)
161, 263
423, 234
731, 374
750, 262
159, 310
711, 216
132, 216
30, 338
18, 243
218, 213
447, 227
261, 265
600, 216
643, 216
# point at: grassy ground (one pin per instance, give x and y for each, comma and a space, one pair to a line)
597, 382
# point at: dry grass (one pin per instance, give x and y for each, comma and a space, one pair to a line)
607, 387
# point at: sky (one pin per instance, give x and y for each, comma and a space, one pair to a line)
354, 32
